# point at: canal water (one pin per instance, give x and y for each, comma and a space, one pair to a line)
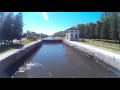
60, 61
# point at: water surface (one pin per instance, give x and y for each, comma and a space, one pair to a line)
60, 61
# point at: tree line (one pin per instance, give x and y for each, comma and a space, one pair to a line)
31, 35
108, 27
11, 27
59, 34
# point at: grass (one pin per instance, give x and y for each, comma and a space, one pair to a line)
57, 38
108, 45
6, 48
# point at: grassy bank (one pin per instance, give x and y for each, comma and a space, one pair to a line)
15, 45
57, 38
108, 45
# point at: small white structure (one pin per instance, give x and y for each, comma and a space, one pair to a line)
72, 34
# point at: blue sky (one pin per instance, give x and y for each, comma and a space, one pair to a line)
51, 22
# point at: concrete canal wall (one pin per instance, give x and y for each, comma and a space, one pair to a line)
52, 41
9, 58
109, 58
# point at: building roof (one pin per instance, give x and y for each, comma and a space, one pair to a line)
72, 28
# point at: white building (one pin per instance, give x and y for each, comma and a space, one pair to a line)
72, 34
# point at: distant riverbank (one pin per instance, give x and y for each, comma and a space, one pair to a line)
52, 38
48, 38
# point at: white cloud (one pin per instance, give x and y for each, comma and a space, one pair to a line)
44, 14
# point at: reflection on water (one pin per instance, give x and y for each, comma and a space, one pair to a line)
60, 61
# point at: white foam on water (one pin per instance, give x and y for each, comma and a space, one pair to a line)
28, 66
50, 74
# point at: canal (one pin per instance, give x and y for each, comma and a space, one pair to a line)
60, 61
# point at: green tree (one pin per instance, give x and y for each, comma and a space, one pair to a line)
38, 35
18, 27
91, 30
28, 34
59, 34
1, 24
62, 33
114, 26
87, 35
118, 26
81, 28
105, 29
104, 15
31, 35
97, 29
7, 27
